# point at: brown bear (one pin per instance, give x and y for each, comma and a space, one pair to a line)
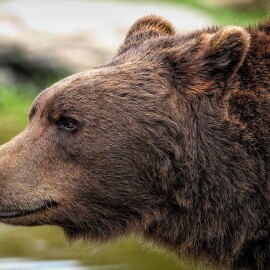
171, 138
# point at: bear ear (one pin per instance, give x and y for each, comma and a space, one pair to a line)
225, 52
146, 28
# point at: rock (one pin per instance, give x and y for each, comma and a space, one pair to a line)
69, 36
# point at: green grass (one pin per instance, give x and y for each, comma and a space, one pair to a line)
14, 106
226, 15
221, 15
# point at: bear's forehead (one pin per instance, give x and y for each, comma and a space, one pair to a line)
95, 82
47, 96
105, 77
139, 65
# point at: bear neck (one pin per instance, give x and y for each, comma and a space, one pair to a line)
221, 176
215, 176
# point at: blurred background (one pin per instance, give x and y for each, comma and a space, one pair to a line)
42, 41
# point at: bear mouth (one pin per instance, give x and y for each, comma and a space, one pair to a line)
21, 213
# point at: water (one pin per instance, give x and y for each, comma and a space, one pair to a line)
107, 20
46, 248
28, 264
21, 264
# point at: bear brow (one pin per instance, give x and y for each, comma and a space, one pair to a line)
32, 111
35, 105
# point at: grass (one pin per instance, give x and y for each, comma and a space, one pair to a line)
14, 106
221, 15
227, 15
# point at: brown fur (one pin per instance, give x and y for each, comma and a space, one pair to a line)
171, 138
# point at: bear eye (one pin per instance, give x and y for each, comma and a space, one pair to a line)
68, 124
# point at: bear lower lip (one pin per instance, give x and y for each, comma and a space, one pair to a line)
21, 213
